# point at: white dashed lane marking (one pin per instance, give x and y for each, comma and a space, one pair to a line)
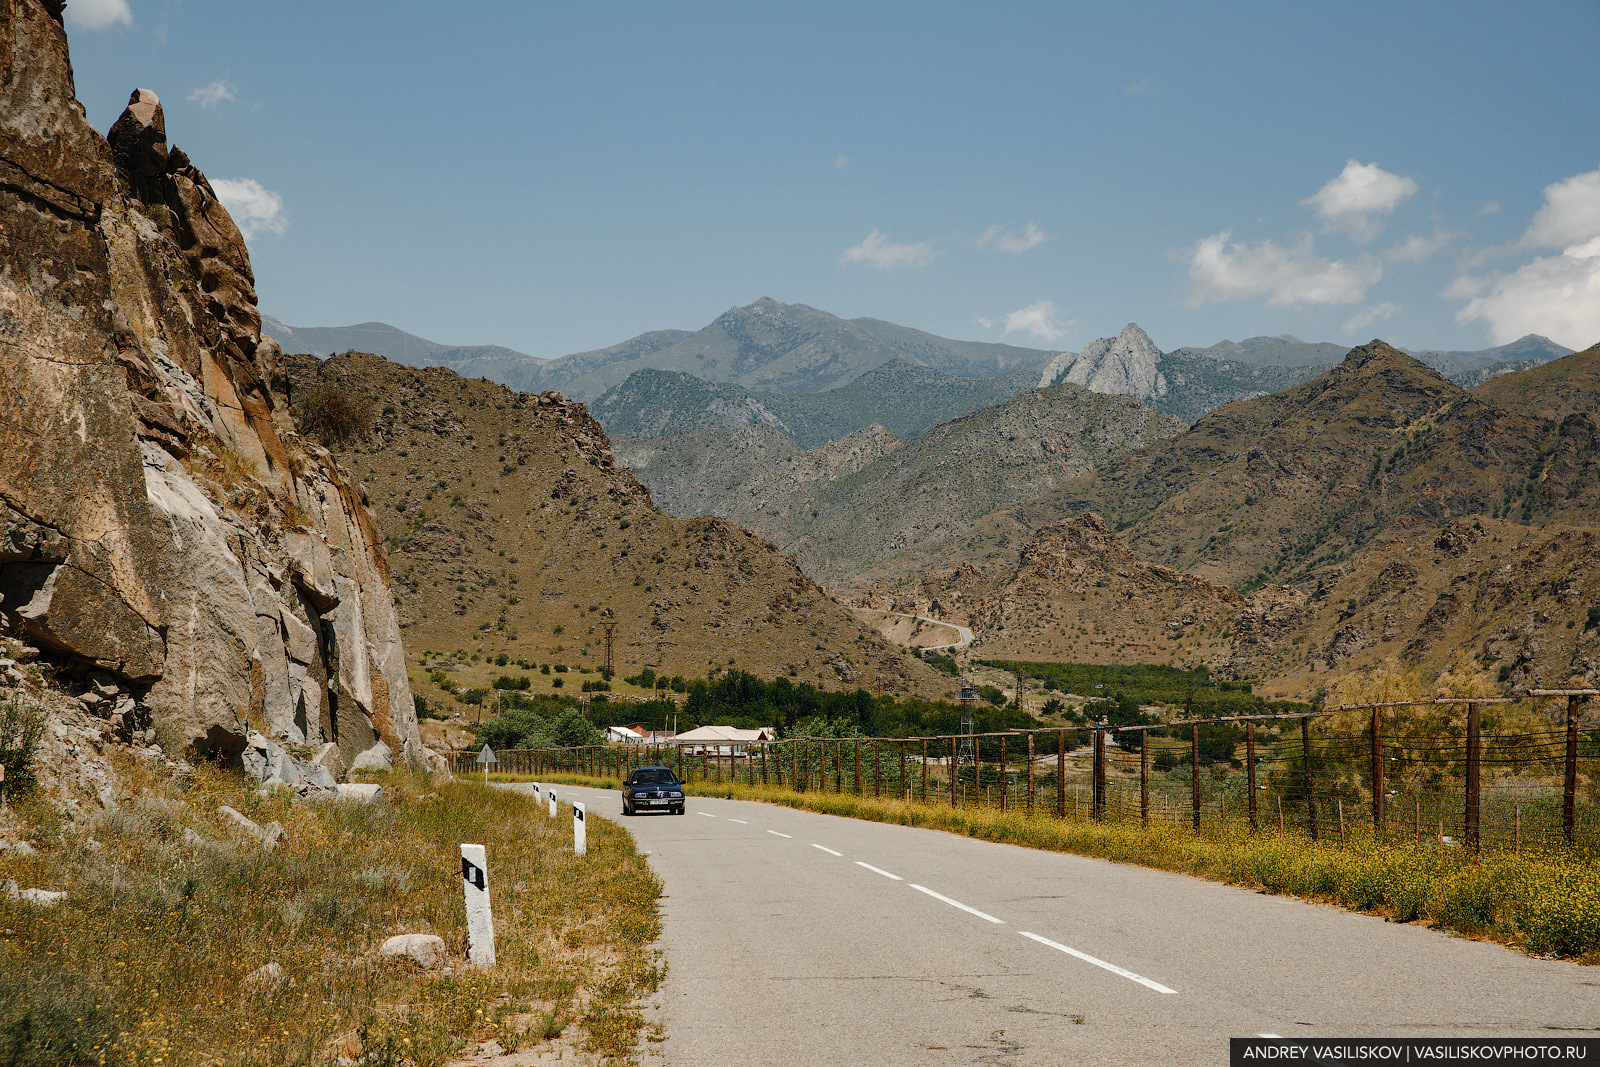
956, 904
1113, 968
879, 870
744, 822
826, 849
707, 814
789, 836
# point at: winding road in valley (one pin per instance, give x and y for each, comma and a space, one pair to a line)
798, 938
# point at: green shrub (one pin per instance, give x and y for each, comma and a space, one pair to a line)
21, 727
334, 414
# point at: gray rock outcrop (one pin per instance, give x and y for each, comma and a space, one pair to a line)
1127, 363
159, 519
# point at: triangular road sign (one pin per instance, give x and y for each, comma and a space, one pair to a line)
487, 756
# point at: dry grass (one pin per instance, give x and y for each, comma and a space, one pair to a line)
1544, 901
146, 961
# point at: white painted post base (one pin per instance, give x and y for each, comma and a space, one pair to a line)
552, 802
580, 829
480, 919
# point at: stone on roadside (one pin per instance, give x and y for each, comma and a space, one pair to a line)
263, 978
425, 950
363, 793
241, 822
43, 897
272, 834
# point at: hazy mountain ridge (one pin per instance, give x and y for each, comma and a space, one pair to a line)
912, 504
901, 396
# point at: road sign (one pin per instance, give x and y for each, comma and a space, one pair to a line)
486, 757
480, 919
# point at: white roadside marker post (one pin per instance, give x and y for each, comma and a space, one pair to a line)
552, 802
486, 757
480, 919
580, 830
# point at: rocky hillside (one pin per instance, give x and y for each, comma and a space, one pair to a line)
866, 506
900, 396
513, 530
393, 343
1376, 511
170, 545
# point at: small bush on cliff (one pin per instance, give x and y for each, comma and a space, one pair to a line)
21, 727
333, 413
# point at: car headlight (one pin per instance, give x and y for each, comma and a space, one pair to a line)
675, 795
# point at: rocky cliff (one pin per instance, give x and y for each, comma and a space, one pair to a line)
164, 528
1127, 363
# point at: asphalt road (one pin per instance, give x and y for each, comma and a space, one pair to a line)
797, 938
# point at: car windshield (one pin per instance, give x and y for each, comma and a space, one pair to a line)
654, 776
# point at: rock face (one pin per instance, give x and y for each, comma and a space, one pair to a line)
162, 522
1127, 363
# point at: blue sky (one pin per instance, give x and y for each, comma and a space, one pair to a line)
559, 177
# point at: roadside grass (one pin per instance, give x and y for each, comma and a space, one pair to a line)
168, 914
1546, 902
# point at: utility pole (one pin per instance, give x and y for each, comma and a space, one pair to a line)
611, 634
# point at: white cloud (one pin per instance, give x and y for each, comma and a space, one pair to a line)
1040, 321
1570, 215
1143, 85
1223, 271
1015, 243
1557, 296
1489, 207
1415, 249
841, 163
877, 251
98, 14
1367, 316
1356, 201
255, 209
210, 96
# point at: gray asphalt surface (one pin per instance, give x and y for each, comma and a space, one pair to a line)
783, 953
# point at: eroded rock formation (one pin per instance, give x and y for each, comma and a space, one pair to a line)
162, 521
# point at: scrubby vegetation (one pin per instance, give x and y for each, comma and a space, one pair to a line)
336, 415
154, 956
1151, 684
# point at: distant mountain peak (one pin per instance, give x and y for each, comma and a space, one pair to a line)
1127, 363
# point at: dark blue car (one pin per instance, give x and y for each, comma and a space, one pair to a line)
652, 789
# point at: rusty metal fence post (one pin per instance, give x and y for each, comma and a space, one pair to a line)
1097, 801
954, 776
924, 770
1030, 774
877, 768
1004, 779
1569, 783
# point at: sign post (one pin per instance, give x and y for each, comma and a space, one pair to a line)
552, 802
480, 919
486, 757
580, 831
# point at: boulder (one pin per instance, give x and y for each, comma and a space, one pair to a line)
363, 793
263, 979
44, 898
239, 821
377, 758
425, 950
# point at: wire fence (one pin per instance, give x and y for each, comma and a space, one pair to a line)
1443, 777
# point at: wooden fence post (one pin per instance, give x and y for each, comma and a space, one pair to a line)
924, 770
1569, 788
1030, 774
1310, 775
1250, 770
954, 775
1061, 774
1004, 780
1194, 772
900, 787
877, 768
1378, 799
1144, 778
1097, 801
858, 766
1474, 747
